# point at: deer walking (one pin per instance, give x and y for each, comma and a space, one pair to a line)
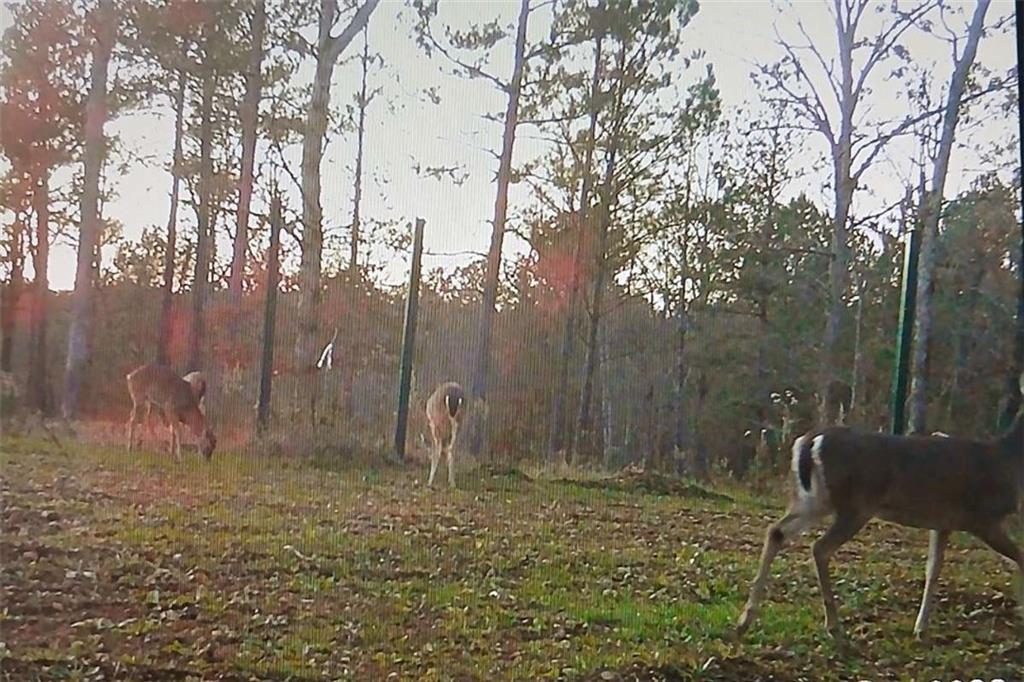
158, 385
444, 413
939, 483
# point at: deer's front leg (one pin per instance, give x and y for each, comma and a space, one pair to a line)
451, 466
435, 456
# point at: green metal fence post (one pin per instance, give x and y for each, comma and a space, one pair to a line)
409, 341
908, 308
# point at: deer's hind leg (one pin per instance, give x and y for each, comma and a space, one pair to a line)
843, 528
937, 540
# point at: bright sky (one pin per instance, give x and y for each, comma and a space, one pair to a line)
733, 33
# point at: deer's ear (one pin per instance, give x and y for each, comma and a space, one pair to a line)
1021, 382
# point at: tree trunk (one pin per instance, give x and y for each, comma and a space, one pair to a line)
556, 444
1014, 396
607, 427
584, 419
167, 305
932, 215
843, 187
80, 332
681, 432
858, 352
38, 379
357, 193
269, 317
483, 356
329, 48
13, 294
249, 118
201, 281
584, 422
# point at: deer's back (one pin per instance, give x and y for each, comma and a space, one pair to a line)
160, 385
923, 481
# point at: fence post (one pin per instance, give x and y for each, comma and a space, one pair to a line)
908, 308
409, 341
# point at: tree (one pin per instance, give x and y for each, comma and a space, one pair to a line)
483, 355
327, 50
249, 116
41, 73
201, 279
103, 25
824, 97
932, 213
170, 249
557, 427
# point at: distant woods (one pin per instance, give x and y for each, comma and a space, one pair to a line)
668, 279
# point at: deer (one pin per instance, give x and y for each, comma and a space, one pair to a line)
938, 483
444, 414
158, 385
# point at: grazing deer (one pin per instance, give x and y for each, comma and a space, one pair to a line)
940, 483
158, 385
444, 413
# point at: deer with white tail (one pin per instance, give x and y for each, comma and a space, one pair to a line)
176, 398
444, 413
939, 483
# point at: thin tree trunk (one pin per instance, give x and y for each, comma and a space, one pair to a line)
201, 281
38, 379
556, 443
348, 365
13, 294
584, 419
329, 48
357, 194
681, 431
80, 332
584, 422
249, 117
167, 304
932, 215
858, 352
608, 428
269, 317
483, 356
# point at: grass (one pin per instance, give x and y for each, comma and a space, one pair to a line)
246, 568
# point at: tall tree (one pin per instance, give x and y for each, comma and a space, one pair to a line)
932, 213
201, 278
249, 115
102, 24
171, 243
327, 50
38, 371
825, 96
482, 364
41, 73
557, 427
608, 195
362, 102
